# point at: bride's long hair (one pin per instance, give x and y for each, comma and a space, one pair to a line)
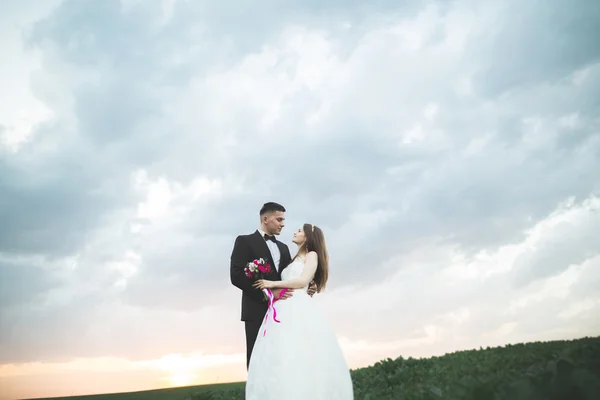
315, 241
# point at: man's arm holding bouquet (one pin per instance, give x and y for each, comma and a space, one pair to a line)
240, 255
239, 258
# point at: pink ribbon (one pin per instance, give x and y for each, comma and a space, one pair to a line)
281, 293
271, 307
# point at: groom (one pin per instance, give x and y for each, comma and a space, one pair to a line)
247, 248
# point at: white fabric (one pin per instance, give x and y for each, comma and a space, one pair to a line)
300, 357
274, 249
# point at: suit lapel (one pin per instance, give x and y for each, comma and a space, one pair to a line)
260, 247
283, 261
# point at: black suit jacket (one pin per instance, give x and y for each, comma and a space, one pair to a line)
246, 249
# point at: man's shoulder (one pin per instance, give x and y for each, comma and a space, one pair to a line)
246, 235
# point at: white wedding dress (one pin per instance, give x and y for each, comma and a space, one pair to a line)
300, 357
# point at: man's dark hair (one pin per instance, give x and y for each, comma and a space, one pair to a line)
271, 207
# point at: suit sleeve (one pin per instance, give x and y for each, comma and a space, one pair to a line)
239, 257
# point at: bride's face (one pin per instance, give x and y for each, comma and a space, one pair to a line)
299, 237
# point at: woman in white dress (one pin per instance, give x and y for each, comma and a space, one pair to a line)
299, 357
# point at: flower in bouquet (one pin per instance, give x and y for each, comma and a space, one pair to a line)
258, 269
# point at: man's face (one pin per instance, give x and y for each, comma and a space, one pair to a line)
274, 222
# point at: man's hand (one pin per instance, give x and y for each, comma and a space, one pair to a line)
278, 296
312, 289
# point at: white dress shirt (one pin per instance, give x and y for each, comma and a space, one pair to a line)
274, 250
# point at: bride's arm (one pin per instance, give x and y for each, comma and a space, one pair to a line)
308, 273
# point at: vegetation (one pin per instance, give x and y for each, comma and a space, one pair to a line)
556, 370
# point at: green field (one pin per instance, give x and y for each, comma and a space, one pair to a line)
556, 370
178, 393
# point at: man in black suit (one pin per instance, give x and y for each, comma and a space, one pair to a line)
247, 248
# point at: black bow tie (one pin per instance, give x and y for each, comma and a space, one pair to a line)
267, 237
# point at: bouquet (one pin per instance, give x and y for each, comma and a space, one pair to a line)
258, 269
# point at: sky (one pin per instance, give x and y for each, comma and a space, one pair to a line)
450, 151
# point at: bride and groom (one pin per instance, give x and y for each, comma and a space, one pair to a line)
296, 356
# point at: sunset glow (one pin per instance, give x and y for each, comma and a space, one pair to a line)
84, 376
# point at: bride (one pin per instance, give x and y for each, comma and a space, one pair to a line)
299, 357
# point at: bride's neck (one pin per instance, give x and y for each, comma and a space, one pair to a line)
301, 252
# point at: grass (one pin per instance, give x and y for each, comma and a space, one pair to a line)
180, 393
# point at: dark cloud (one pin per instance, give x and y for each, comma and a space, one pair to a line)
536, 43
24, 283
51, 201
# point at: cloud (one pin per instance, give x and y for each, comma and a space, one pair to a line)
557, 43
448, 150
573, 243
437, 298
23, 283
